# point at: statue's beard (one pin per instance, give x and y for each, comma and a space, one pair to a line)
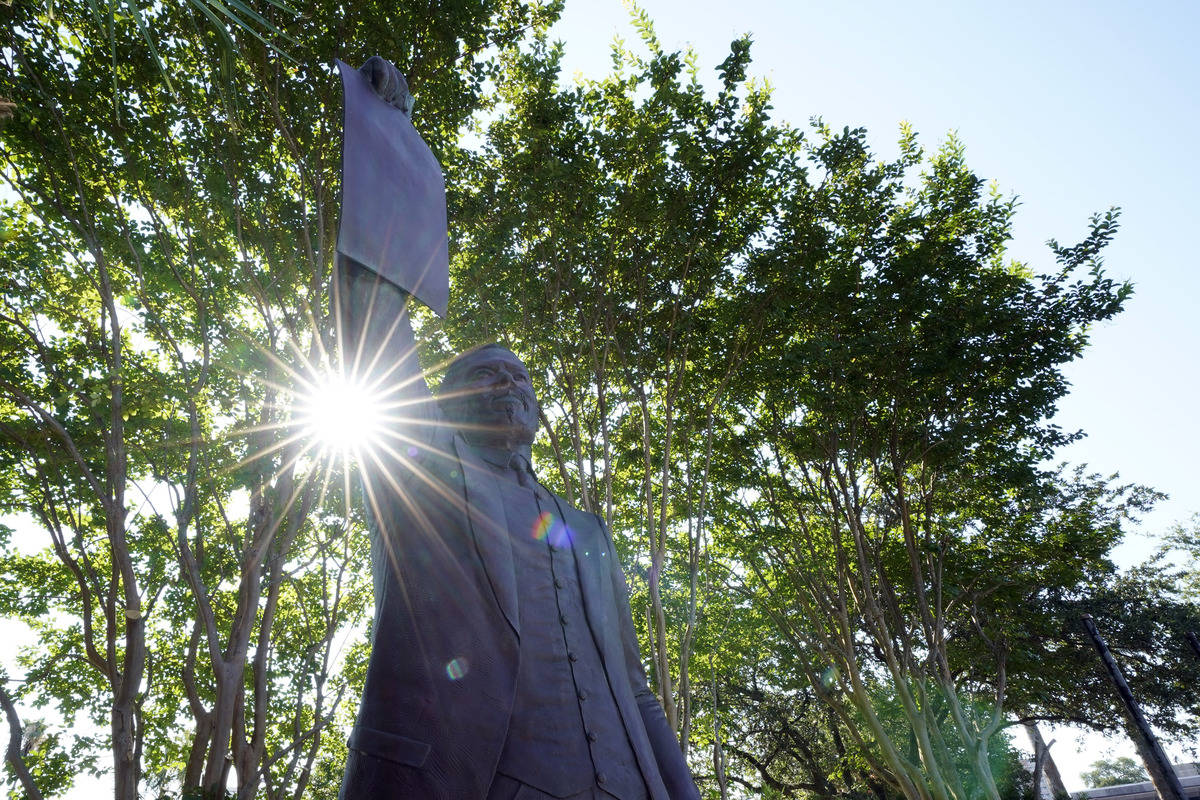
499, 424
511, 430
509, 408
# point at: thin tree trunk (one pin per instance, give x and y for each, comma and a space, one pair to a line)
718, 754
657, 559
1050, 769
124, 717
13, 755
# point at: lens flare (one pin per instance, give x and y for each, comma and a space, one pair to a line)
342, 415
456, 669
541, 527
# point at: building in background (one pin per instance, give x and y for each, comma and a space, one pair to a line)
1189, 777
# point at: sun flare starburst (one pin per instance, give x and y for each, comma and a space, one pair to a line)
340, 414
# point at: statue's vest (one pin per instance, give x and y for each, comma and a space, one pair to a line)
549, 748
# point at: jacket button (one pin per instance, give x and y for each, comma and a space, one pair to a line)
583, 695
572, 657
563, 619
601, 777
591, 737
559, 583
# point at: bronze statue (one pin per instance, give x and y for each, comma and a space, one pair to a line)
504, 662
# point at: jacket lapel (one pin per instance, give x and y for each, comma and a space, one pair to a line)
485, 513
594, 555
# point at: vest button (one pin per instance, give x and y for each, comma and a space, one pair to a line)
563, 619
591, 736
559, 583
601, 777
572, 657
583, 695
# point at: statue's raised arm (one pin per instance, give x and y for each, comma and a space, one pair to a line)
391, 246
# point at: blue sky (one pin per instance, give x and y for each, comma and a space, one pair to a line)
1073, 107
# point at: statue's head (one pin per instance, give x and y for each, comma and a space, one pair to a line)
488, 394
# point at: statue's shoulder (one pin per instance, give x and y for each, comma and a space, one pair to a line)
579, 519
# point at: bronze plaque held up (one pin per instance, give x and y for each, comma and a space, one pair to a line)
393, 196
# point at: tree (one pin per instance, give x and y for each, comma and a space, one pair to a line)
1114, 772
598, 235
163, 301
889, 508
784, 370
1186, 540
1145, 613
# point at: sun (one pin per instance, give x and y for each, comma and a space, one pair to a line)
341, 415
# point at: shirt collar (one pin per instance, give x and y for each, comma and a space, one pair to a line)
501, 457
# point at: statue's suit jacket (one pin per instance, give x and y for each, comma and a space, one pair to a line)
442, 674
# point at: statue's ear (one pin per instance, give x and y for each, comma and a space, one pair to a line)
451, 406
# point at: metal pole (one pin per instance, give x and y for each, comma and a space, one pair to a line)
1194, 641
1162, 775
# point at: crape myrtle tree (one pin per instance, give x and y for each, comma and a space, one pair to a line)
1114, 772
889, 507
195, 573
810, 397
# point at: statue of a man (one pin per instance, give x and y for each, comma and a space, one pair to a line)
504, 662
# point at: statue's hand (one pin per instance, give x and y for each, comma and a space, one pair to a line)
388, 82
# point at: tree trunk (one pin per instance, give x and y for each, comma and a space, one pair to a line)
216, 768
1049, 768
718, 751
662, 655
125, 772
13, 755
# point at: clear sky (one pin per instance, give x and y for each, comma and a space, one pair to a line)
1073, 107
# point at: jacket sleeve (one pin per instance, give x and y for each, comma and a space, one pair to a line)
379, 351
671, 763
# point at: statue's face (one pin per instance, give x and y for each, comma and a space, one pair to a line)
492, 399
